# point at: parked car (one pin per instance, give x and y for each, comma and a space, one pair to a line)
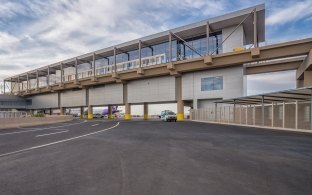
97, 115
168, 115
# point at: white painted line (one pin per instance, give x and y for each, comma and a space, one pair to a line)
57, 142
51, 133
17, 132
94, 125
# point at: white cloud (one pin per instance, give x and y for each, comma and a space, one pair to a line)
291, 13
66, 28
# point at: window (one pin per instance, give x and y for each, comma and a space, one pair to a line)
212, 83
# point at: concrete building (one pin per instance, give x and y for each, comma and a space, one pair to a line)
190, 65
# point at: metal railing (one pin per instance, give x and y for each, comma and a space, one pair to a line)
13, 114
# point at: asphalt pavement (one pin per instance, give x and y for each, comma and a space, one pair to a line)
153, 157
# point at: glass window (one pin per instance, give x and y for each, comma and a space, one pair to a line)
212, 83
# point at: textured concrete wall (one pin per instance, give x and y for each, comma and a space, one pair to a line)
233, 85
159, 89
44, 101
236, 40
105, 95
73, 98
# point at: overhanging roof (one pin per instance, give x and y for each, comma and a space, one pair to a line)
300, 95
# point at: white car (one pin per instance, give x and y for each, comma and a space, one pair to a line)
168, 115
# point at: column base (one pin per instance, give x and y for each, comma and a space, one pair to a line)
90, 116
127, 116
145, 116
180, 116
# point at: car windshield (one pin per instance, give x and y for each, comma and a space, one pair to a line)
170, 113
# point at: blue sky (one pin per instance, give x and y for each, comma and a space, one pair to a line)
35, 33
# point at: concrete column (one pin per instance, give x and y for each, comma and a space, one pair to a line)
216, 110
255, 28
170, 47
180, 102
115, 63
145, 112
62, 111
234, 115
27, 77
127, 111
93, 65
110, 113
296, 115
140, 53
262, 111
11, 85
127, 105
240, 114
284, 115
311, 110
272, 113
81, 112
62, 73
76, 70
37, 79
48, 77
50, 110
195, 103
246, 114
3, 86
254, 115
90, 112
18, 82
207, 34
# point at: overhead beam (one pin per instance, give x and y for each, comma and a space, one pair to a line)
305, 65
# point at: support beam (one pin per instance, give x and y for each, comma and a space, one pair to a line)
180, 102
110, 113
262, 111
82, 112
37, 79
62, 74
115, 63
170, 47
48, 77
272, 114
94, 56
90, 112
76, 71
284, 114
296, 114
207, 34
255, 28
140, 53
18, 84
27, 77
145, 111
127, 105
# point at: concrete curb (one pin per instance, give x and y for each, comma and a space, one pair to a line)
255, 126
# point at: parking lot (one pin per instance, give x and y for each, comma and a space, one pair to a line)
153, 157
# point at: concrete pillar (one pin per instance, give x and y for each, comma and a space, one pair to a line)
145, 112
48, 77
37, 80
180, 107
272, 113
254, 115
127, 111
180, 102
246, 114
284, 114
262, 111
62, 111
127, 105
50, 110
110, 113
216, 110
115, 63
140, 53
90, 112
170, 47
296, 115
255, 28
93, 67
27, 77
207, 34
81, 112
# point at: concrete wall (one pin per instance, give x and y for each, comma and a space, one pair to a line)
44, 101
105, 95
157, 89
73, 98
236, 40
32, 121
233, 84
